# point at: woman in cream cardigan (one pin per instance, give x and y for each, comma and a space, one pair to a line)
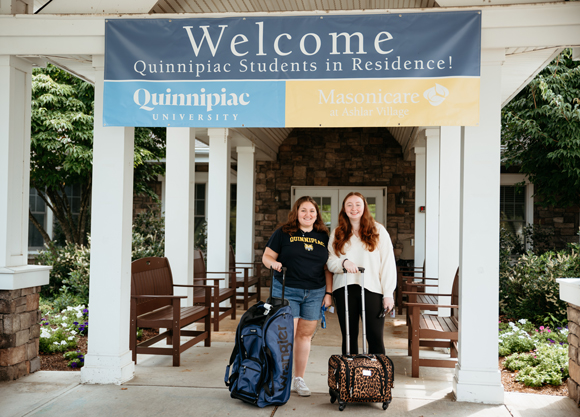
359, 241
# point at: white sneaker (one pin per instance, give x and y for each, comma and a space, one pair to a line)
300, 387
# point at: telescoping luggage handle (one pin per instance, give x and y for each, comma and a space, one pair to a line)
272, 284
364, 321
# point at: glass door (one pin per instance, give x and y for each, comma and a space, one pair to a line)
329, 200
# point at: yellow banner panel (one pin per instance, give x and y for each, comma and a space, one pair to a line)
386, 102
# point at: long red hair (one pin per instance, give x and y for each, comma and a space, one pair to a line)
369, 234
292, 225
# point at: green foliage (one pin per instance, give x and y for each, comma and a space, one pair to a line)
528, 288
514, 339
76, 358
548, 364
62, 149
59, 330
148, 235
541, 132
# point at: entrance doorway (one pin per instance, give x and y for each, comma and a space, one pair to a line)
329, 199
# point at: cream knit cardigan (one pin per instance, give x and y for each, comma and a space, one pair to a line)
380, 268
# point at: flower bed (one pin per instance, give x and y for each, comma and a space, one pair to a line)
537, 356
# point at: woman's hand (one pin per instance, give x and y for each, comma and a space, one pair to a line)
388, 303
277, 266
327, 300
350, 267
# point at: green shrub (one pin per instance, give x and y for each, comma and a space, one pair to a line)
514, 339
548, 364
76, 359
148, 235
528, 288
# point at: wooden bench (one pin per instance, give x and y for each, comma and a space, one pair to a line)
246, 281
218, 295
154, 305
406, 274
426, 326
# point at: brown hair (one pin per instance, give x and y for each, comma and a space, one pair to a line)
292, 225
369, 234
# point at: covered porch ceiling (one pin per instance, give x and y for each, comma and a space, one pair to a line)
523, 58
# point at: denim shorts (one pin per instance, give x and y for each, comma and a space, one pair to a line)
305, 304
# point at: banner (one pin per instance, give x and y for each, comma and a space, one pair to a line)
410, 69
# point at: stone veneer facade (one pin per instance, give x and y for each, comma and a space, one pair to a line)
19, 332
574, 352
354, 157
563, 222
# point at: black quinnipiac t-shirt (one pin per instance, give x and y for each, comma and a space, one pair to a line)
304, 255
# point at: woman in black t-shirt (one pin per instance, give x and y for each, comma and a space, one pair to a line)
301, 245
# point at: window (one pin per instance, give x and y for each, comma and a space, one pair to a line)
199, 210
38, 210
513, 209
324, 204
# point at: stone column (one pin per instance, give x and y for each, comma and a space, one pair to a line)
570, 292
108, 360
19, 282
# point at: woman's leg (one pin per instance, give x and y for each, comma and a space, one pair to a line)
303, 331
374, 326
354, 311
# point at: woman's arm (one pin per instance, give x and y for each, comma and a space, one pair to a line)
334, 262
327, 301
388, 268
269, 258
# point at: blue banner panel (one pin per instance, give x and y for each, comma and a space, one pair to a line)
194, 104
445, 44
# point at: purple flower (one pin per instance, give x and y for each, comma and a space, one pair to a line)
551, 341
45, 324
80, 356
73, 365
76, 323
562, 343
85, 311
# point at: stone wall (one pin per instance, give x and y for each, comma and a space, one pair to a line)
563, 222
336, 157
574, 352
19, 332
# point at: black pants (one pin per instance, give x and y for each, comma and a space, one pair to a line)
374, 325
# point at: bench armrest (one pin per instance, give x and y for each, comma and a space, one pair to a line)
413, 284
425, 293
431, 305
229, 272
159, 296
206, 278
193, 286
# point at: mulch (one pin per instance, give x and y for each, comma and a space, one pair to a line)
508, 379
56, 362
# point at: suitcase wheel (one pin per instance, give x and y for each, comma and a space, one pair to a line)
341, 405
386, 405
332, 399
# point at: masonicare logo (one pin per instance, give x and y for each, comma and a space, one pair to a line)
285, 351
436, 95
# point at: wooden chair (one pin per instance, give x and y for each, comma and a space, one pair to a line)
218, 295
154, 305
246, 281
427, 326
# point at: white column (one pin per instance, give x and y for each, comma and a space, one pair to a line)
477, 378
245, 207
218, 204
109, 359
449, 164
15, 102
432, 202
419, 202
179, 206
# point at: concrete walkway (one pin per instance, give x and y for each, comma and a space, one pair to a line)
196, 388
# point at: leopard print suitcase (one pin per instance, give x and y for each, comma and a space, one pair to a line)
360, 378
365, 378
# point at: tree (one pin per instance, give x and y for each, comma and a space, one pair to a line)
62, 149
541, 132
